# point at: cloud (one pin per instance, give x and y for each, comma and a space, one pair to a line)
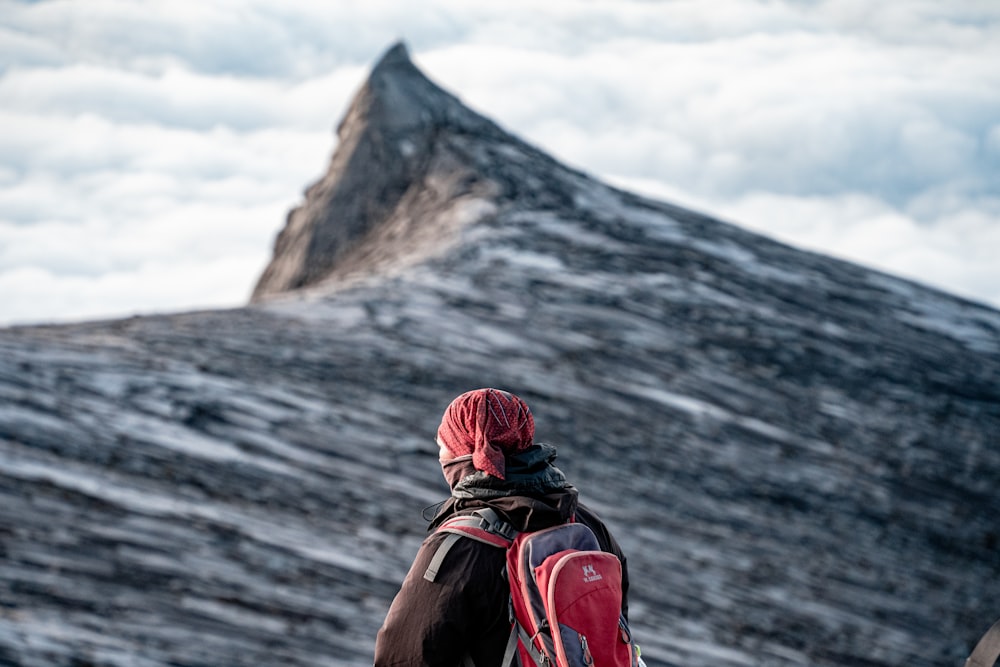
137, 136
176, 97
116, 218
35, 295
87, 166
956, 249
792, 112
292, 40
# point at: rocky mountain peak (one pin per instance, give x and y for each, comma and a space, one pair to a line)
398, 99
356, 218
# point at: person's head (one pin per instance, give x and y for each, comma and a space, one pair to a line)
488, 424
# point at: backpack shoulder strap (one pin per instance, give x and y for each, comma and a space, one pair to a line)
483, 525
987, 650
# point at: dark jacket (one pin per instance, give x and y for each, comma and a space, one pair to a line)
464, 611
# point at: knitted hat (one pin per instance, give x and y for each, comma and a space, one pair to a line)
489, 424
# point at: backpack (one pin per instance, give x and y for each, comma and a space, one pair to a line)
565, 592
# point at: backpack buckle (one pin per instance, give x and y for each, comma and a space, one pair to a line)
491, 522
503, 529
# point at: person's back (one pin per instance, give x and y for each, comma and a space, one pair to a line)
489, 459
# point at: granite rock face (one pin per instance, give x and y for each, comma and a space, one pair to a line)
799, 455
391, 182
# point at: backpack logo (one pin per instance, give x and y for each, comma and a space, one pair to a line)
590, 574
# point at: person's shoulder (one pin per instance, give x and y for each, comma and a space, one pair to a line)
605, 537
588, 516
456, 539
454, 558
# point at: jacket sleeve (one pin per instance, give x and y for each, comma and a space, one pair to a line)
429, 624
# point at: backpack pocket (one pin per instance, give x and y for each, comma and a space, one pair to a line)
583, 596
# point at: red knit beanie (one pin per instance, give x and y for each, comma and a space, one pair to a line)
487, 423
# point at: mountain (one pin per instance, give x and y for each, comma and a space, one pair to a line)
798, 454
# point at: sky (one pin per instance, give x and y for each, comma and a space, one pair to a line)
151, 149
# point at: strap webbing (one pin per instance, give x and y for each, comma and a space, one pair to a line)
483, 525
432, 569
508, 654
541, 660
987, 650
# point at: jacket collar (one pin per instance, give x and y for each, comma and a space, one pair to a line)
530, 472
534, 495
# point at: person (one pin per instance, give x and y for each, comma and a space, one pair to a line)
490, 460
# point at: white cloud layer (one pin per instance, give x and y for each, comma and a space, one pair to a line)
149, 150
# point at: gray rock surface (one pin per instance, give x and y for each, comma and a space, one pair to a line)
800, 455
389, 173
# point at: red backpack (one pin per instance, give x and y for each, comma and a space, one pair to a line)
565, 593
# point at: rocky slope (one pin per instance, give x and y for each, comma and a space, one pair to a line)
800, 455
